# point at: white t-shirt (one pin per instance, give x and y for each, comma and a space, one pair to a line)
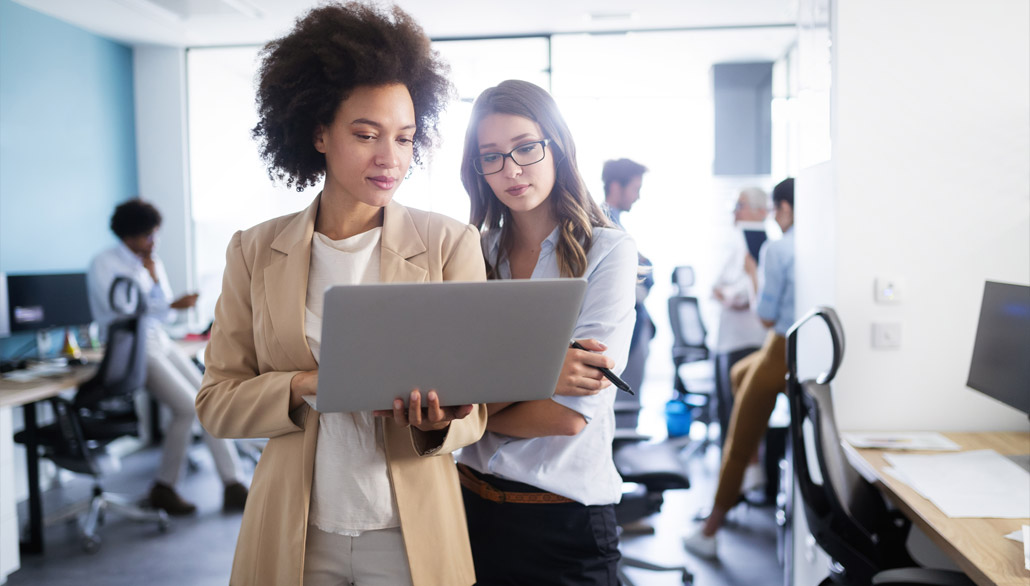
351, 488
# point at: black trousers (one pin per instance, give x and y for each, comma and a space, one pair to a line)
565, 544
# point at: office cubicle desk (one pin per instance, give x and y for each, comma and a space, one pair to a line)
977, 546
27, 394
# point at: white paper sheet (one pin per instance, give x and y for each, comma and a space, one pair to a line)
900, 440
1016, 535
979, 483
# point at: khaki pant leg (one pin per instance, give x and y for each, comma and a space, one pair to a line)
763, 378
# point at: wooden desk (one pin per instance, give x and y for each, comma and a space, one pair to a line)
978, 546
27, 394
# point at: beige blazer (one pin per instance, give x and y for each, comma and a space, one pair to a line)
258, 344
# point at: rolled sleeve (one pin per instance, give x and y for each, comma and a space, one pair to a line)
607, 315
771, 295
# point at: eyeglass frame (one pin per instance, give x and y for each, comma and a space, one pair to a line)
477, 162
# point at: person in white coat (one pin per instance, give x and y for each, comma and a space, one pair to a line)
172, 378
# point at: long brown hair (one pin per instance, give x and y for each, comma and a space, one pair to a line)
577, 212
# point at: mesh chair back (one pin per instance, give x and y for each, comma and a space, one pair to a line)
683, 277
845, 514
123, 368
687, 327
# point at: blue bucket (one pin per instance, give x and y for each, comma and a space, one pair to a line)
678, 418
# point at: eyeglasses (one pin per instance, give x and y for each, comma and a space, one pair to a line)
522, 155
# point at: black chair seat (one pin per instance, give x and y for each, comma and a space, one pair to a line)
689, 354
657, 466
105, 429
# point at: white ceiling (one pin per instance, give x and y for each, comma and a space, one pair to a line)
191, 23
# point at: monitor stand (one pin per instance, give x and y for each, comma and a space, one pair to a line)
1023, 460
42, 344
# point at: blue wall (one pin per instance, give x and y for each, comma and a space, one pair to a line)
67, 141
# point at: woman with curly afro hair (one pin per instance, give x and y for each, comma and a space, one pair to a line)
349, 98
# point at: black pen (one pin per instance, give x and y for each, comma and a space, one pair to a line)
618, 382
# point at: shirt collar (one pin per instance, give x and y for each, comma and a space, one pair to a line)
548, 245
128, 255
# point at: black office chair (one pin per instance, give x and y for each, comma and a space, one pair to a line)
102, 411
689, 346
847, 516
654, 468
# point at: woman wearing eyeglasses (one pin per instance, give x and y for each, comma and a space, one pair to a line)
540, 486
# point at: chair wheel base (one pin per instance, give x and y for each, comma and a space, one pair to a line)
91, 544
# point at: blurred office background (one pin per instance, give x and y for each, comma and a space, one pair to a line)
906, 125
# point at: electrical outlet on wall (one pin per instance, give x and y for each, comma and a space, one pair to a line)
886, 290
887, 335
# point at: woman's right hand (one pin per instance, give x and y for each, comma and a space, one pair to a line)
302, 383
579, 374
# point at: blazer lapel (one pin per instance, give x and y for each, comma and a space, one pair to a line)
286, 284
401, 242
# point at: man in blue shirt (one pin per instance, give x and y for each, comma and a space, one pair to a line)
759, 377
622, 180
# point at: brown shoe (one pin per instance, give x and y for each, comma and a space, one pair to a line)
164, 497
234, 498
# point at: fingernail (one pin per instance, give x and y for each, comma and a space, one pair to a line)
603, 345
397, 404
414, 395
431, 396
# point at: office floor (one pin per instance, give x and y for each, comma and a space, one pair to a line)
198, 550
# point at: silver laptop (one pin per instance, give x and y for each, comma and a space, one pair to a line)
480, 342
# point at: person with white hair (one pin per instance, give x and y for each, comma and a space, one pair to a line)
740, 331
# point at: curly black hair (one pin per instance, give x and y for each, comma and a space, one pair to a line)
135, 217
332, 50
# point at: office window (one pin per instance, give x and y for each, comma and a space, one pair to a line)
230, 188
229, 185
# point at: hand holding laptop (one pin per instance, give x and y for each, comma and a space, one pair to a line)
430, 418
302, 384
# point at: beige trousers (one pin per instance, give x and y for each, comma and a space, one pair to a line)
756, 380
374, 558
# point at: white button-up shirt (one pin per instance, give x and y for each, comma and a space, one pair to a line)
119, 261
578, 467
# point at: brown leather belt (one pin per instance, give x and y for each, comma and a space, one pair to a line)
486, 491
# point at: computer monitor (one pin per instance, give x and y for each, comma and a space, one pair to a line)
37, 302
1000, 367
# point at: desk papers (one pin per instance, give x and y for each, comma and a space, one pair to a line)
978, 483
900, 440
1016, 535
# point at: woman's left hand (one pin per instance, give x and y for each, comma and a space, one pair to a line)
434, 418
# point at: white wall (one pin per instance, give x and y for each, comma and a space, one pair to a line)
161, 147
930, 185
